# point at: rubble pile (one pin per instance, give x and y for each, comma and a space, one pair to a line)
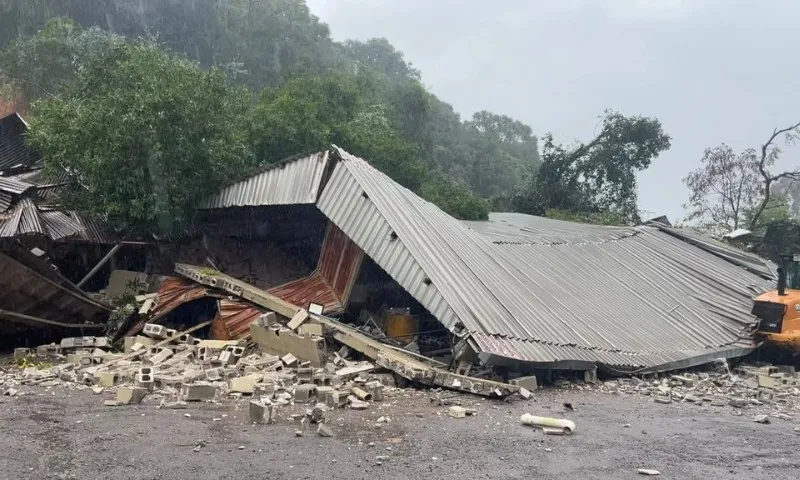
774, 388
175, 369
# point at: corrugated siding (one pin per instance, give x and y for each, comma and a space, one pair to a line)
13, 150
5, 202
24, 291
12, 185
306, 290
292, 182
92, 230
638, 292
527, 229
25, 218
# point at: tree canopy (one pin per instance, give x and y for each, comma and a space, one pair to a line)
599, 175
305, 92
144, 134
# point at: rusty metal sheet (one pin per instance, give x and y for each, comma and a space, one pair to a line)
173, 293
340, 262
233, 320
26, 292
304, 291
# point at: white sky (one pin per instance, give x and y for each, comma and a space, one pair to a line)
712, 71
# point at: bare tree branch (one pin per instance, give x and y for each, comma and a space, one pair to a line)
768, 178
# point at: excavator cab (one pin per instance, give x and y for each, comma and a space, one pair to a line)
779, 310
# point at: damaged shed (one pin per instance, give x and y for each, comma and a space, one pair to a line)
518, 291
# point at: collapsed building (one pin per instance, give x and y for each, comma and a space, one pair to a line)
331, 236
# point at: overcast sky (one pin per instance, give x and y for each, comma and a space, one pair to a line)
711, 71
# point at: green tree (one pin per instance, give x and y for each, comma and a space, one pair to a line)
454, 198
42, 65
145, 134
599, 175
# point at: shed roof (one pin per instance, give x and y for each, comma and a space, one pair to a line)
14, 153
542, 291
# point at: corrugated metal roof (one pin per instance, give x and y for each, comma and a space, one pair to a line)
25, 218
528, 229
5, 202
92, 230
24, 291
734, 255
636, 294
13, 185
292, 182
14, 153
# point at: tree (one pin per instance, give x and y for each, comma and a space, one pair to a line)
597, 176
145, 135
454, 197
769, 153
42, 65
723, 189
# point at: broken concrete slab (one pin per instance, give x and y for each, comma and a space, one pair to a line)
280, 341
245, 384
130, 395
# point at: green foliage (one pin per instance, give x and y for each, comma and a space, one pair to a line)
454, 198
145, 134
594, 218
598, 176
42, 65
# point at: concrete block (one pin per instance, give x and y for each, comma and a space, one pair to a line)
258, 412
146, 381
245, 384
198, 392
325, 395
107, 379
213, 374
22, 353
305, 375
310, 328
68, 342
289, 360
324, 431
526, 382
153, 330
280, 341
160, 357
376, 389
186, 339
765, 381
102, 342
171, 332
590, 376
302, 393
226, 357
267, 319
130, 395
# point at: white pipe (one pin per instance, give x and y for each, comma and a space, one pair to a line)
567, 425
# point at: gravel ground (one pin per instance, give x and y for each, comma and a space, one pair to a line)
60, 433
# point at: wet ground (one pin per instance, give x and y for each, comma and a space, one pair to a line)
61, 433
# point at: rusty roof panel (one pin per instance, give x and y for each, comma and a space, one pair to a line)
173, 293
291, 182
233, 320
310, 289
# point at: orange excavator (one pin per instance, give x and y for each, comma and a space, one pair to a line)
779, 310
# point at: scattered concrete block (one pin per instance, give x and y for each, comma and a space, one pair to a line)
525, 393
302, 393
590, 376
161, 356
153, 330
310, 328
376, 389
171, 332
259, 412
457, 412
111, 403
20, 353
289, 360
130, 395
357, 404
529, 383
326, 395
765, 381
664, 400
107, 379
186, 339
245, 384
198, 392
280, 341
267, 319
213, 374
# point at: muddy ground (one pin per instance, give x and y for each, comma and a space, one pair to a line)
60, 433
